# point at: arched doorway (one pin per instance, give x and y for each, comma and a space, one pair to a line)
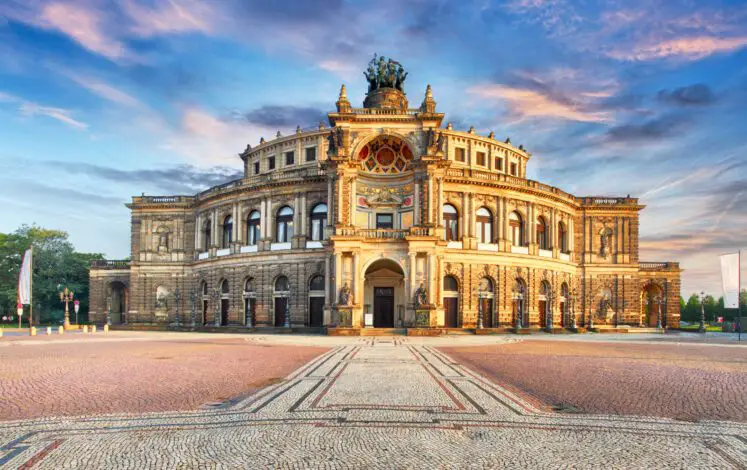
451, 302
649, 307
119, 301
316, 301
280, 294
485, 293
250, 303
544, 303
225, 302
384, 288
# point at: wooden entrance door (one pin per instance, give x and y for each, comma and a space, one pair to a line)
486, 305
451, 307
383, 307
281, 307
224, 306
316, 311
543, 313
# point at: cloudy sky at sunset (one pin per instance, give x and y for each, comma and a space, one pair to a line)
102, 100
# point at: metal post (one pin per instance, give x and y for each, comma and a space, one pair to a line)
193, 305
548, 311
109, 310
702, 328
177, 299
571, 310
287, 311
479, 312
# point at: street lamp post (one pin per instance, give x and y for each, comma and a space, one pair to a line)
702, 328
550, 296
76, 307
658, 300
571, 308
177, 300
109, 310
518, 293
193, 306
66, 296
479, 311
287, 311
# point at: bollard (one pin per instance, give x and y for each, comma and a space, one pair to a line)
85, 328
60, 330
106, 329
93, 328
49, 330
33, 331
1, 332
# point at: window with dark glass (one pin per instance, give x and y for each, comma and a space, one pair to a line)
384, 221
451, 222
252, 228
318, 221
484, 225
317, 283
290, 157
284, 225
256, 167
562, 237
227, 232
459, 154
481, 159
208, 232
310, 154
514, 169
450, 284
542, 234
516, 225
499, 163
282, 284
270, 163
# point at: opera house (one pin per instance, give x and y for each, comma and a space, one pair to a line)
385, 218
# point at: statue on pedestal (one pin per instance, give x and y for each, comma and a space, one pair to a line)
346, 297
421, 296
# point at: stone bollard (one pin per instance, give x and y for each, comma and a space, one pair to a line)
61, 330
93, 328
106, 329
85, 328
49, 330
33, 331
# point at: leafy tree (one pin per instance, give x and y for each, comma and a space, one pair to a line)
56, 265
691, 311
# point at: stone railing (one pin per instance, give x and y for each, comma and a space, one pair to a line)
385, 111
659, 266
162, 199
110, 264
502, 178
607, 201
375, 233
422, 231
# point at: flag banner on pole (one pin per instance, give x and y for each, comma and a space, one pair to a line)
24, 280
730, 279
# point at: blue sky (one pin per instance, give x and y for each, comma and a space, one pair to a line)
102, 100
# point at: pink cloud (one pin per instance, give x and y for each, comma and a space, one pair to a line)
170, 17
88, 26
688, 48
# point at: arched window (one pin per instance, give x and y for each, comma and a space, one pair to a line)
484, 225
318, 221
227, 231
542, 233
248, 286
316, 283
516, 225
485, 305
450, 284
281, 284
451, 222
562, 237
207, 230
224, 288
252, 228
451, 302
284, 225
204, 288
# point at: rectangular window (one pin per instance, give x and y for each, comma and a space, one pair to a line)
384, 221
310, 154
256, 167
514, 169
290, 158
499, 163
271, 163
459, 154
481, 159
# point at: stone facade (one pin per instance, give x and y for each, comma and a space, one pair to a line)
390, 214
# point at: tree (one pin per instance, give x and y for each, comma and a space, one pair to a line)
691, 312
56, 265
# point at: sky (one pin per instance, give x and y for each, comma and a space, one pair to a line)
103, 100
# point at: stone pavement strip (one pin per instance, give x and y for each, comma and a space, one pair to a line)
374, 403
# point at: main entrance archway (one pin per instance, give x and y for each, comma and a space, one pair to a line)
384, 293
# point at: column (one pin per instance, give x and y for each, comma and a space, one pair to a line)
198, 224
236, 223
330, 201
416, 202
239, 223
356, 278
338, 275
215, 227
262, 218
431, 279
327, 280
471, 215
465, 211
302, 229
429, 181
440, 201
353, 185
413, 274
339, 198
296, 214
570, 234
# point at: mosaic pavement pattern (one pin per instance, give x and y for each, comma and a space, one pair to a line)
375, 403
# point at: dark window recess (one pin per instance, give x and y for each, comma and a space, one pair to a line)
499, 163
256, 168
271, 163
481, 158
514, 169
459, 154
289, 158
384, 221
311, 154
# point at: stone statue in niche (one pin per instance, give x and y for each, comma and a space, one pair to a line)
605, 240
163, 241
346, 295
421, 296
161, 299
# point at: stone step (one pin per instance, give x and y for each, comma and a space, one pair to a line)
383, 331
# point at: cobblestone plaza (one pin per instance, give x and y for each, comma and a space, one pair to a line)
380, 402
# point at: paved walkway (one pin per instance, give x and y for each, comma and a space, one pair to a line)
374, 403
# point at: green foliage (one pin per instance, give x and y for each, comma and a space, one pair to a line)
713, 308
691, 311
56, 265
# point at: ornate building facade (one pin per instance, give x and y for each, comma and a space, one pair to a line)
385, 219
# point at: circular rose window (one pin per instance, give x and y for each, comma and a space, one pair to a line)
385, 155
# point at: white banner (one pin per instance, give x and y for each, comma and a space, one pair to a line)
730, 279
24, 280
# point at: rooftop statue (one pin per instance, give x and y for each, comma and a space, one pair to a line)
383, 73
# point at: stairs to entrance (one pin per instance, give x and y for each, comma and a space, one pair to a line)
383, 332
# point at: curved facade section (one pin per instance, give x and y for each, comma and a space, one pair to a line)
384, 218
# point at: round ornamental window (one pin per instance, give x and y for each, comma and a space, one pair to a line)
385, 155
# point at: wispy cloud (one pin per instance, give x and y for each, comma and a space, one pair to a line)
698, 94
103, 89
60, 114
686, 48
